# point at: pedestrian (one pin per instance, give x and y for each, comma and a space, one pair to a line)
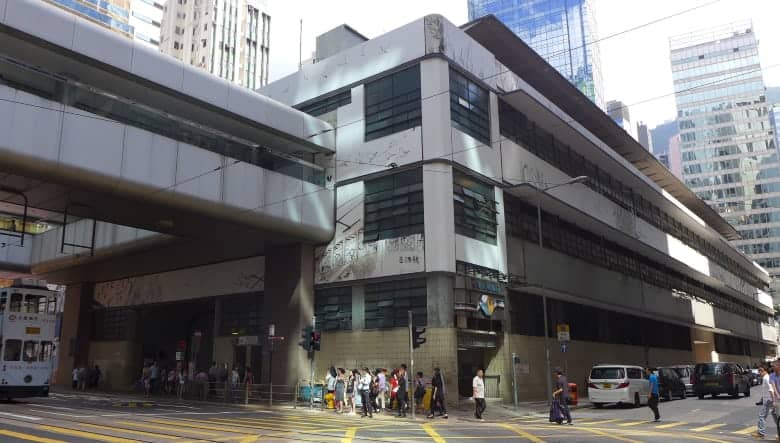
171, 382
154, 377
234, 383
96, 376
437, 396
352, 390
202, 379
394, 390
213, 372
363, 387
330, 380
83, 376
145, 380
181, 378
341, 387
478, 387
767, 401
382, 385
373, 391
419, 392
652, 401
774, 380
75, 378
562, 395
403, 389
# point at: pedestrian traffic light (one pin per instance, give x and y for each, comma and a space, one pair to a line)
315, 340
306, 338
417, 338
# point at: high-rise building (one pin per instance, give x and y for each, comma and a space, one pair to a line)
228, 38
618, 111
136, 19
563, 32
643, 136
661, 134
728, 148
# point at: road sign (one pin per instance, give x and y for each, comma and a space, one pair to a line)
564, 346
564, 333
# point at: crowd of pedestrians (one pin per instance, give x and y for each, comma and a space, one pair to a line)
769, 403
368, 392
84, 378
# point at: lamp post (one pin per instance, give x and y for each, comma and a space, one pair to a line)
539, 192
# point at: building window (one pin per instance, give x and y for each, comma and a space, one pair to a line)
393, 103
387, 304
110, 324
469, 107
241, 314
475, 208
333, 308
394, 206
727, 344
327, 104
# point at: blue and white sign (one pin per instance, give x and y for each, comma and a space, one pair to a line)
564, 346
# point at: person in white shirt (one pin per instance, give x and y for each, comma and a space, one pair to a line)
478, 384
767, 400
365, 385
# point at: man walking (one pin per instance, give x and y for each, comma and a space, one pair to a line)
403, 389
774, 381
767, 400
652, 401
154, 377
437, 397
382, 382
562, 393
478, 386
365, 384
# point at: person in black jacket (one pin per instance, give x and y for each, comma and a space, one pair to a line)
403, 389
437, 397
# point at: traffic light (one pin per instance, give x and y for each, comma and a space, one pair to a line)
306, 334
315, 340
417, 338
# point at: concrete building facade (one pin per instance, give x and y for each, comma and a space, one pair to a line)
444, 141
228, 38
728, 147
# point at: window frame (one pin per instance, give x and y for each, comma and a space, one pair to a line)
390, 105
469, 106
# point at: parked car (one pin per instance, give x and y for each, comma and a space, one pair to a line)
669, 384
685, 372
616, 383
755, 379
720, 378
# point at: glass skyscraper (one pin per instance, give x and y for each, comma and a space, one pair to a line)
563, 32
728, 148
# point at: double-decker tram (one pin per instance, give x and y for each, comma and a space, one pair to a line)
27, 328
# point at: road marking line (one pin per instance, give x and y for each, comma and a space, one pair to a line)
167, 428
708, 427
612, 436
61, 414
130, 431
25, 417
89, 435
597, 422
349, 435
28, 437
49, 406
745, 431
432, 432
516, 429
671, 425
633, 423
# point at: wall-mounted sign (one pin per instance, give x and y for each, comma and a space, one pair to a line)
32, 330
564, 333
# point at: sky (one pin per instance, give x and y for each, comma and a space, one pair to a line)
635, 65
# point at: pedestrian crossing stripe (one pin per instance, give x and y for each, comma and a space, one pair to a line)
596, 422
199, 425
633, 423
28, 437
670, 425
168, 428
126, 430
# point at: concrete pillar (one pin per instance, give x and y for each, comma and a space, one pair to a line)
289, 303
704, 346
76, 329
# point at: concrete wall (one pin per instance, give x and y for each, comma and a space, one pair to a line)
119, 361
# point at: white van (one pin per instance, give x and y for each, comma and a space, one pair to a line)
622, 384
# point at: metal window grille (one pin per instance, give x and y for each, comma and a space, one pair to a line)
327, 104
475, 208
386, 304
393, 103
394, 206
469, 107
333, 308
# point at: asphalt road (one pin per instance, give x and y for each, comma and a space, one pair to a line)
117, 419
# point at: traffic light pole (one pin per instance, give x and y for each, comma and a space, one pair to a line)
311, 368
411, 363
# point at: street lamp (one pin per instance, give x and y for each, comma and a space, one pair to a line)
539, 192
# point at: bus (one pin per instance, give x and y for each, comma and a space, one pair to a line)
27, 328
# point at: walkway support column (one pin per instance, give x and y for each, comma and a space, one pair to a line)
76, 331
289, 304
